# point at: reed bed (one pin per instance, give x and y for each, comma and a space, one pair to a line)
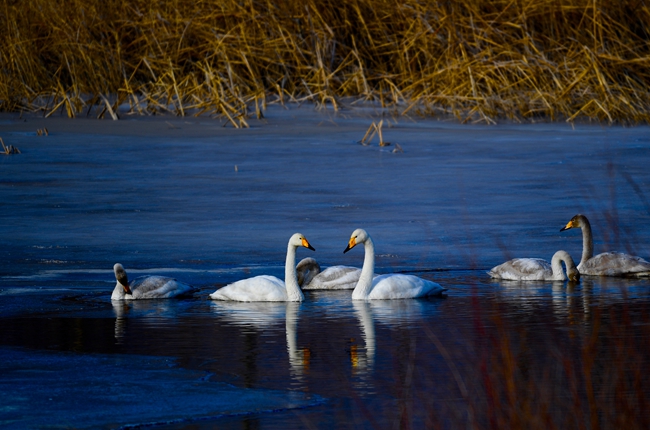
598, 381
479, 60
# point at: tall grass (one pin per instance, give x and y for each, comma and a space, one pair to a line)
476, 59
598, 379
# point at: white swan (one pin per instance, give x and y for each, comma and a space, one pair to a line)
393, 286
266, 288
607, 263
536, 269
146, 287
310, 276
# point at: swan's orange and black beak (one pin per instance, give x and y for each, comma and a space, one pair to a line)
351, 244
122, 278
307, 245
127, 290
571, 224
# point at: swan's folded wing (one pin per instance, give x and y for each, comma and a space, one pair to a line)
527, 269
158, 287
335, 278
261, 288
615, 264
398, 286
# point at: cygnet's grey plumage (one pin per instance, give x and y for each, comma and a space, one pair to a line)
306, 270
536, 269
607, 263
310, 276
146, 287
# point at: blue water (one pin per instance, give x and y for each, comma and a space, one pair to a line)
188, 198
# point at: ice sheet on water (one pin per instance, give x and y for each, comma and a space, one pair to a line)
64, 390
458, 197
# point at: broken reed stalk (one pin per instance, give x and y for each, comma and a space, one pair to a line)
375, 129
370, 133
479, 60
8, 150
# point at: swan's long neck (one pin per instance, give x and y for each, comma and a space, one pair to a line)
118, 292
290, 277
362, 290
556, 266
587, 242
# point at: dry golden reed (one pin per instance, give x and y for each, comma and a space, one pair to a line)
8, 149
476, 59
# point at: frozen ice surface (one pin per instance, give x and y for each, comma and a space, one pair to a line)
50, 390
188, 193
170, 192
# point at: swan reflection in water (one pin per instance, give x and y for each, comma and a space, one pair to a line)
570, 301
364, 363
151, 312
405, 314
577, 302
299, 359
259, 316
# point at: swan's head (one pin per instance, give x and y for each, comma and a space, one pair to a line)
577, 221
298, 240
307, 269
573, 274
358, 236
120, 275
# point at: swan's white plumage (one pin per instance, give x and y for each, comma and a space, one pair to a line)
386, 287
536, 269
266, 288
607, 263
146, 287
263, 288
399, 286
